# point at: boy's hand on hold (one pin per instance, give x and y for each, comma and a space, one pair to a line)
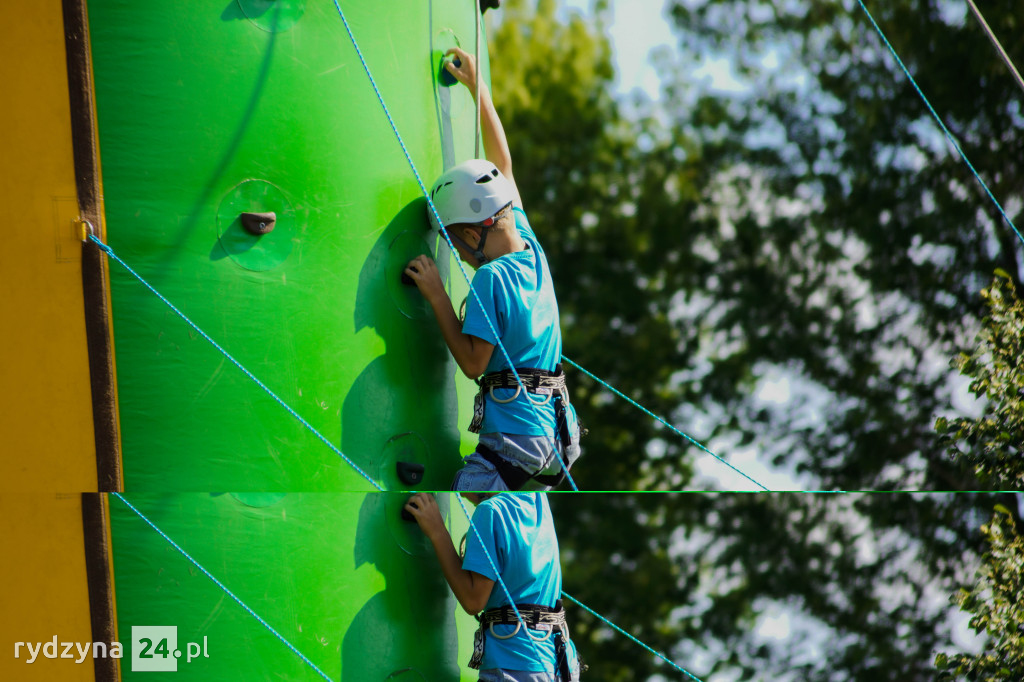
423, 507
422, 270
465, 72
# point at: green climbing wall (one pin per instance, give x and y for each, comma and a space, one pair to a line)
210, 108
340, 576
207, 110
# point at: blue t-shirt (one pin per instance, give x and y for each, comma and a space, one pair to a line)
519, 536
519, 299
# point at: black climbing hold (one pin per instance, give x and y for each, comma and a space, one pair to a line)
407, 280
406, 514
446, 77
489, 4
258, 223
410, 473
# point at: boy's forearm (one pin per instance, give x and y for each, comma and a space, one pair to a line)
459, 579
460, 345
495, 143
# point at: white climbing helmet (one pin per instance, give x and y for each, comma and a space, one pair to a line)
471, 192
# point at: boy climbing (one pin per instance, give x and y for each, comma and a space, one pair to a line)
522, 445
515, 531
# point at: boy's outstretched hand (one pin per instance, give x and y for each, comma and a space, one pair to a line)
495, 144
423, 507
422, 270
465, 72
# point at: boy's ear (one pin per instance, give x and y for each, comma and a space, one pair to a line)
471, 235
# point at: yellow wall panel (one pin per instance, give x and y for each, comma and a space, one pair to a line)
45, 400
45, 589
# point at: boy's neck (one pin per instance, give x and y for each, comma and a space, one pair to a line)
500, 242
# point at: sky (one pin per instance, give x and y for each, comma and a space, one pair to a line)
638, 27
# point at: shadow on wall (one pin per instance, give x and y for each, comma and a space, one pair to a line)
272, 23
403, 405
406, 631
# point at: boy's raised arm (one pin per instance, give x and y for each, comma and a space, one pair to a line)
495, 143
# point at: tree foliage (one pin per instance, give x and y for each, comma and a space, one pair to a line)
997, 608
806, 229
994, 442
858, 240
580, 173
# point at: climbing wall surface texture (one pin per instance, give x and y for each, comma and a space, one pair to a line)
208, 110
367, 604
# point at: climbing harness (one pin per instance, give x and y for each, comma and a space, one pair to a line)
535, 617
536, 381
548, 620
516, 477
539, 382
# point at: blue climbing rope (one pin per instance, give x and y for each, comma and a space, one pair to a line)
949, 135
654, 416
224, 587
110, 252
443, 230
617, 628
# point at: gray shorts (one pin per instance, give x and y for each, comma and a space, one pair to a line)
531, 453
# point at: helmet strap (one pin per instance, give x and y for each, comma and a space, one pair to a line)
478, 252
483, 226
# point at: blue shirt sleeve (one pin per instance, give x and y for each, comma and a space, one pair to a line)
494, 541
523, 225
